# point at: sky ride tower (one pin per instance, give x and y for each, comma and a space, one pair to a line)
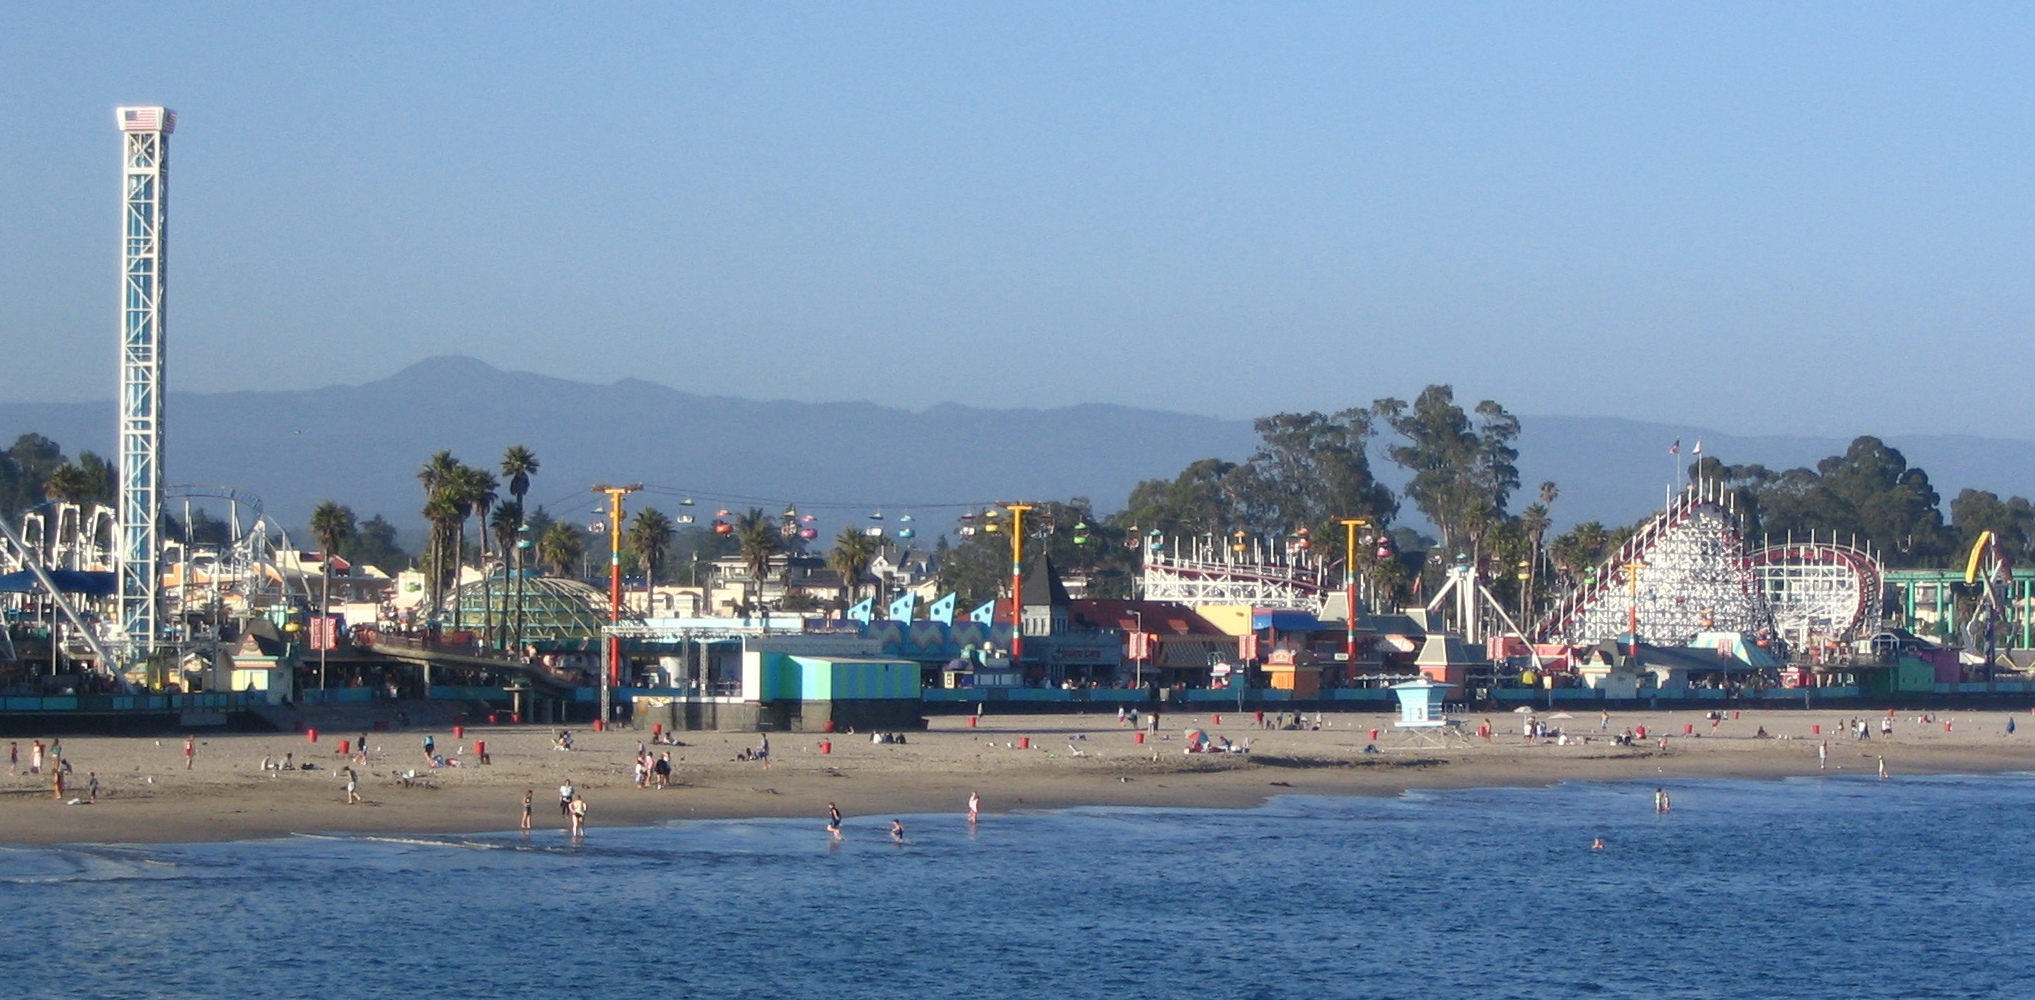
145, 174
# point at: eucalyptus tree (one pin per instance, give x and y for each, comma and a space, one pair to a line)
1463, 471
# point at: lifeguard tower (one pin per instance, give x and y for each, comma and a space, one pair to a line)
1420, 714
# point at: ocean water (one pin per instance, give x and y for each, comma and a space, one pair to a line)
1845, 887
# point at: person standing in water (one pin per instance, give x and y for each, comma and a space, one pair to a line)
974, 807
897, 831
834, 820
529, 796
1660, 801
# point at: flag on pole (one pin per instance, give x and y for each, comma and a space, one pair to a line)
1699, 446
1676, 448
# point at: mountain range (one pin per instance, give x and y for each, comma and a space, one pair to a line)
362, 445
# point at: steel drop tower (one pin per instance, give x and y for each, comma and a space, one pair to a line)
145, 204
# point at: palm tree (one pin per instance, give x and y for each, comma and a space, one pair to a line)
757, 539
850, 557
437, 475
560, 547
519, 464
333, 524
481, 490
650, 536
66, 482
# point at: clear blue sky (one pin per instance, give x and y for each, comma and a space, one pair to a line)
1785, 217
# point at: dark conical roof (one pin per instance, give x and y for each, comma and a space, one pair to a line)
1042, 585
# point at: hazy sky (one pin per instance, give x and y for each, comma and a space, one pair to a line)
1782, 217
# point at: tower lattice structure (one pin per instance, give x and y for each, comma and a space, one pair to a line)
145, 173
1685, 571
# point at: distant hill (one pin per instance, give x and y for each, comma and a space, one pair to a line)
362, 445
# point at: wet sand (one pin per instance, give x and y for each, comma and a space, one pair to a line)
147, 795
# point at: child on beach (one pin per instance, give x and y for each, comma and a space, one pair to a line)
529, 795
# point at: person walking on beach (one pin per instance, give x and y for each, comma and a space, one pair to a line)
35, 757
430, 747
1883, 766
92, 786
565, 794
974, 807
13, 756
352, 786
56, 775
1823, 756
664, 770
1603, 720
834, 820
190, 751
529, 796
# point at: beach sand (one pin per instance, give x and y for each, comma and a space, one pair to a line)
147, 795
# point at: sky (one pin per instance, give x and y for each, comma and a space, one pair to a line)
1783, 218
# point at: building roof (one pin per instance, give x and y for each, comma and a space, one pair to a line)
1042, 585
1162, 618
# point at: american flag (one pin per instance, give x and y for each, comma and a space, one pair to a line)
1676, 448
147, 120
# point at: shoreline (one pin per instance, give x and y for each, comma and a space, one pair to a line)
148, 796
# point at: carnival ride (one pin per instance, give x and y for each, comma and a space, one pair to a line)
1683, 572
1823, 592
1989, 571
1258, 571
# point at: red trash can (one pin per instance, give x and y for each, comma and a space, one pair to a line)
480, 748
345, 748
1024, 743
829, 727
1688, 729
310, 735
600, 725
1374, 734
826, 746
971, 722
458, 732
1140, 735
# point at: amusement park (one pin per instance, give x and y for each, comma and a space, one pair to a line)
1294, 589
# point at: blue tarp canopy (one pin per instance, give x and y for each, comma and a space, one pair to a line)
67, 580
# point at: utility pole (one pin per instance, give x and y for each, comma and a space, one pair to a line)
612, 675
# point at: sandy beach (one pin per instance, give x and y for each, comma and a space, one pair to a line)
147, 794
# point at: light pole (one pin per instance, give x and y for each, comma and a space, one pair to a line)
613, 674
1350, 526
